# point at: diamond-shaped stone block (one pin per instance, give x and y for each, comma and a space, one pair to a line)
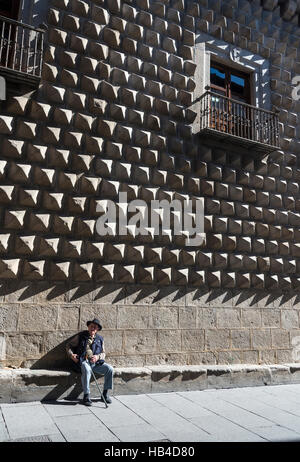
34, 270
60, 271
9, 269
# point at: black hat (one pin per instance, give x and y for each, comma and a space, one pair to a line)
95, 321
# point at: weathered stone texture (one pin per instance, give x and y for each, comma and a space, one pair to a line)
113, 114
137, 333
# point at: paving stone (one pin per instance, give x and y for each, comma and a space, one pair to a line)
222, 430
277, 433
180, 405
27, 420
165, 420
272, 413
57, 438
138, 401
85, 428
229, 411
65, 408
288, 404
137, 432
292, 388
247, 414
32, 439
177, 430
3, 430
116, 415
195, 436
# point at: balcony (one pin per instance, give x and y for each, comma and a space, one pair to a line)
239, 123
21, 53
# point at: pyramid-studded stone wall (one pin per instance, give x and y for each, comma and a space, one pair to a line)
113, 114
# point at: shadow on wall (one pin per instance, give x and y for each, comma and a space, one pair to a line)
55, 359
18, 296
14, 295
60, 386
56, 292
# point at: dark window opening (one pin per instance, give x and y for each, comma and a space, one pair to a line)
21, 48
217, 78
10, 9
230, 82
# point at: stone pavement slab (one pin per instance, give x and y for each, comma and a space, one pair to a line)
160, 416
83, 428
24, 420
285, 403
116, 414
65, 408
137, 432
180, 405
229, 411
3, 431
222, 430
292, 388
33, 439
277, 433
284, 395
250, 414
199, 436
278, 411
55, 438
136, 402
170, 424
264, 405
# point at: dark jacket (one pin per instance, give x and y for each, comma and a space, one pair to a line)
96, 346
78, 346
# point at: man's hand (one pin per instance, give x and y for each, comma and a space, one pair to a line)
74, 357
94, 359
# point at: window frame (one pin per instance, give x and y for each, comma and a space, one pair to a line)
14, 12
228, 71
209, 48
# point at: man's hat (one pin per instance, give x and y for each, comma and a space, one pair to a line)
95, 321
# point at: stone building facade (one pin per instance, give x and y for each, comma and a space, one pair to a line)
117, 110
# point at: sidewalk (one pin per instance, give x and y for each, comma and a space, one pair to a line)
252, 414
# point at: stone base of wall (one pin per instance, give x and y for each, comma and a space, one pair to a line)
21, 385
150, 325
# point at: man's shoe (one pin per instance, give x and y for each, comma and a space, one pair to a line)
106, 397
87, 401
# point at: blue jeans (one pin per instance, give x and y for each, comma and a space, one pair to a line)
104, 369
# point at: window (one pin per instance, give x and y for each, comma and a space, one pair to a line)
226, 115
230, 82
21, 48
226, 108
10, 8
232, 97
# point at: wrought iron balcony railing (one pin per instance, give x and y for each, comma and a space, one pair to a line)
242, 123
21, 49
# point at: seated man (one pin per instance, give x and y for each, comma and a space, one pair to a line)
86, 349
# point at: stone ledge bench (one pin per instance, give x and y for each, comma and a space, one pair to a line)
21, 385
